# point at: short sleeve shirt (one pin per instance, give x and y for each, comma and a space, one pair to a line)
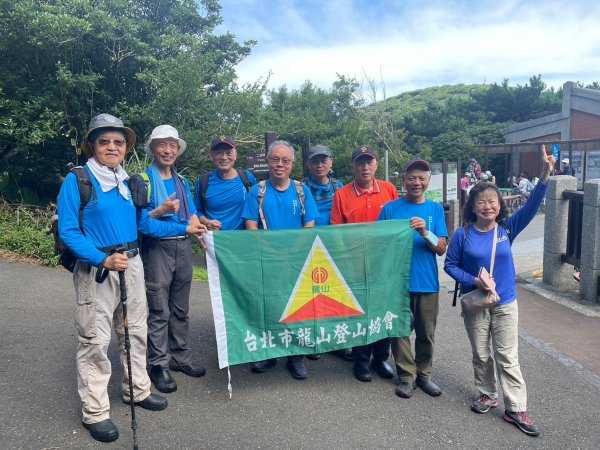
423, 269
282, 209
353, 205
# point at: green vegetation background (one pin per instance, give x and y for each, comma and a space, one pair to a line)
151, 62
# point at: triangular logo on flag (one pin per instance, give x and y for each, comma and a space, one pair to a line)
321, 292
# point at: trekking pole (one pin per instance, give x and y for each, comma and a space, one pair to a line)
123, 288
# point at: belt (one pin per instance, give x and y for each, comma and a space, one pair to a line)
172, 238
130, 249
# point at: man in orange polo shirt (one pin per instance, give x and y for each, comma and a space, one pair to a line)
362, 201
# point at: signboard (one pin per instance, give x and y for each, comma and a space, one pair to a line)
592, 170
436, 185
257, 163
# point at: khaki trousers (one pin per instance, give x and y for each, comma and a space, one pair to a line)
425, 307
98, 309
494, 337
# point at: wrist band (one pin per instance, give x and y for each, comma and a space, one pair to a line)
431, 238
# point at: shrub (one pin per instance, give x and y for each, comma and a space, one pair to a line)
25, 230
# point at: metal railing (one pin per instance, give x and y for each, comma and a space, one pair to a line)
574, 228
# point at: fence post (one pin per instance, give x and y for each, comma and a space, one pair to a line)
557, 273
590, 245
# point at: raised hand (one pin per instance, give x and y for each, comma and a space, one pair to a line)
170, 206
548, 162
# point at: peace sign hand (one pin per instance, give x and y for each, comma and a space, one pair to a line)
548, 162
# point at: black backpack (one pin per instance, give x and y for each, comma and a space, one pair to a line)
86, 190
203, 183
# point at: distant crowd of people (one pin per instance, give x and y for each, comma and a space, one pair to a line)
474, 174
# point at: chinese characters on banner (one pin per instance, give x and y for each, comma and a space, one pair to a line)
288, 292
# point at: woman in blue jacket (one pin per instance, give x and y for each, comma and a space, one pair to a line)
469, 250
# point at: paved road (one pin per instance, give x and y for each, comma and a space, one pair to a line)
40, 406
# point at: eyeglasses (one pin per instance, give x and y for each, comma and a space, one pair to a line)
277, 160
107, 142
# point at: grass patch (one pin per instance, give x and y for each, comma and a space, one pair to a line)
200, 274
24, 231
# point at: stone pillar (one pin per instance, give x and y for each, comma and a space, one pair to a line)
590, 248
556, 273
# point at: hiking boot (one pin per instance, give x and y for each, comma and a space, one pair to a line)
191, 370
162, 379
263, 366
362, 372
153, 402
383, 369
522, 421
345, 353
429, 387
405, 389
483, 404
103, 431
297, 368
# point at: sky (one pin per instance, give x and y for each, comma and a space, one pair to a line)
411, 44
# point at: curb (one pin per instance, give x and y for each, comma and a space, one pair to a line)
569, 299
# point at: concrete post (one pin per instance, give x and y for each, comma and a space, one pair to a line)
590, 248
556, 273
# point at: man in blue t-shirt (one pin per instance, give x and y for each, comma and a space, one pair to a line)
427, 219
220, 194
321, 184
279, 203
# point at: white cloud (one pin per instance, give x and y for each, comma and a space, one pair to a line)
415, 47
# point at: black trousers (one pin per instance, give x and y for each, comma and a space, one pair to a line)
379, 349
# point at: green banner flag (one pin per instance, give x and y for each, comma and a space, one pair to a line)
311, 290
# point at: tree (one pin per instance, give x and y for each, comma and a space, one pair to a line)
146, 61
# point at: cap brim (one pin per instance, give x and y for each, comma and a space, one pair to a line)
364, 154
216, 146
131, 139
420, 164
319, 154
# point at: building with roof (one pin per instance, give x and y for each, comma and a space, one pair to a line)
573, 133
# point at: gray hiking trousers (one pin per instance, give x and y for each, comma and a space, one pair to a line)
168, 274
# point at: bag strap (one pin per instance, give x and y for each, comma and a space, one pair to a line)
243, 174
203, 182
300, 193
262, 189
86, 189
493, 260
462, 250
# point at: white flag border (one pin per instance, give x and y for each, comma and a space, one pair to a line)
216, 299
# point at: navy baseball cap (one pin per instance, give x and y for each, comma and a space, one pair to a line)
363, 151
222, 142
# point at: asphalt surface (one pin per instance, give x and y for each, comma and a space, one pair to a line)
40, 408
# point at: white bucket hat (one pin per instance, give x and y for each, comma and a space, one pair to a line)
164, 132
565, 161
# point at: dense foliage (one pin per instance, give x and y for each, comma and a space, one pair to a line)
151, 62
